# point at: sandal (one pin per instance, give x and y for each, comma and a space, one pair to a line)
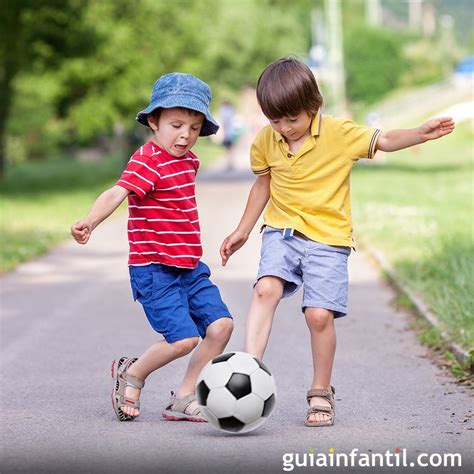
320, 409
176, 410
121, 380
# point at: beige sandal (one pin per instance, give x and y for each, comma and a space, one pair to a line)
320, 409
122, 379
176, 410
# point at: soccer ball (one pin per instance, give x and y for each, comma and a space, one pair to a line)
236, 392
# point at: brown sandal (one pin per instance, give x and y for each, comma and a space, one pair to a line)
320, 409
122, 379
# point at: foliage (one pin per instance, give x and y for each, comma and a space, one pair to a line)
424, 63
36, 36
374, 63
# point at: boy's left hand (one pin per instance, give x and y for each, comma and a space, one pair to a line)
436, 128
81, 231
231, 244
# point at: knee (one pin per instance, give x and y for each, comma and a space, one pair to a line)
220, 330
185, 346
318, 318
268, 289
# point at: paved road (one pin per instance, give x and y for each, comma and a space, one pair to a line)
68, 314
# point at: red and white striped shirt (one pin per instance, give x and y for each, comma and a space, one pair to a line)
163, 222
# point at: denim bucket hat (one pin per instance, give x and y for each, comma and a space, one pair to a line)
181, 90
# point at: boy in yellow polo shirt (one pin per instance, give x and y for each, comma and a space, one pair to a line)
303, 161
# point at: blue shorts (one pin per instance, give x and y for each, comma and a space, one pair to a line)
179, 303
320, 268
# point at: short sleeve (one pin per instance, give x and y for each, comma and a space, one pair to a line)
258, 160
359, 141
139, 176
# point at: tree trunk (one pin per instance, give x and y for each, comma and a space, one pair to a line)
10, 39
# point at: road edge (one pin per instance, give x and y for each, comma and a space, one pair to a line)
463, 357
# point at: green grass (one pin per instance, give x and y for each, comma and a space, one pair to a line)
40, 200
417, 207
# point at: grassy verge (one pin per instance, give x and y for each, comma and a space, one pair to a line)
40, 200
417, 208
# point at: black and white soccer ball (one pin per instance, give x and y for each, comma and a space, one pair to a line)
236, 392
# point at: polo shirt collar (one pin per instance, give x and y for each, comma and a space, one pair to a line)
316, 124
315, 127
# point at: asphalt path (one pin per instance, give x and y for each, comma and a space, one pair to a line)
66, 315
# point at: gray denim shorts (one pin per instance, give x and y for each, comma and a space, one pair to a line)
320, 268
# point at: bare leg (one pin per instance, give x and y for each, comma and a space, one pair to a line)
266, 296
156, 356
323, 346
217, 336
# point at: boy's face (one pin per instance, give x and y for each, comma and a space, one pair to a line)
176, 130
294, 128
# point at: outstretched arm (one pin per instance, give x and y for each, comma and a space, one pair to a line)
394, 140
256, 202
103, 207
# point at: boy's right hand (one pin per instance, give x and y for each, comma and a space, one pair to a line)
81, 231
231, 244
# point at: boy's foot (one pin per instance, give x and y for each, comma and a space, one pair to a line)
131, 393
321, 410
126, 390
183, 409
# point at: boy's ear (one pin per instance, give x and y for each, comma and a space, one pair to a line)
152, 122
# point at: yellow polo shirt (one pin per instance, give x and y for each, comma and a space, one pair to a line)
309, 190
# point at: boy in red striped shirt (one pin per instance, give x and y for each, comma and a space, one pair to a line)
166, 273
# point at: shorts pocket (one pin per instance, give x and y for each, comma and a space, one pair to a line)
133, 284
142, 284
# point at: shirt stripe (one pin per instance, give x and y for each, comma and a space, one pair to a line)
141, 177
163, 231
157, 220
176, 199
175, 161
167, 254
163, 243
130, 184
373, 142
177, 174
145, 165
165, 208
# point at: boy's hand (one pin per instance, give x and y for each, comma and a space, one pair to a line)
436, 128
81, 231
231, 244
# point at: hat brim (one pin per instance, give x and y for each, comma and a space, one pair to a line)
209, 126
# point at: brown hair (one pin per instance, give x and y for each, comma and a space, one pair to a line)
287, 87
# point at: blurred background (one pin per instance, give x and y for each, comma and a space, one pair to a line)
75, 72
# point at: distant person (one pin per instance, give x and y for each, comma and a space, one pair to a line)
227, 116
166, 272
303, 161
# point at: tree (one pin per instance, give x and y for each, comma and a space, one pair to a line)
374, 63
9, 26
35, 35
